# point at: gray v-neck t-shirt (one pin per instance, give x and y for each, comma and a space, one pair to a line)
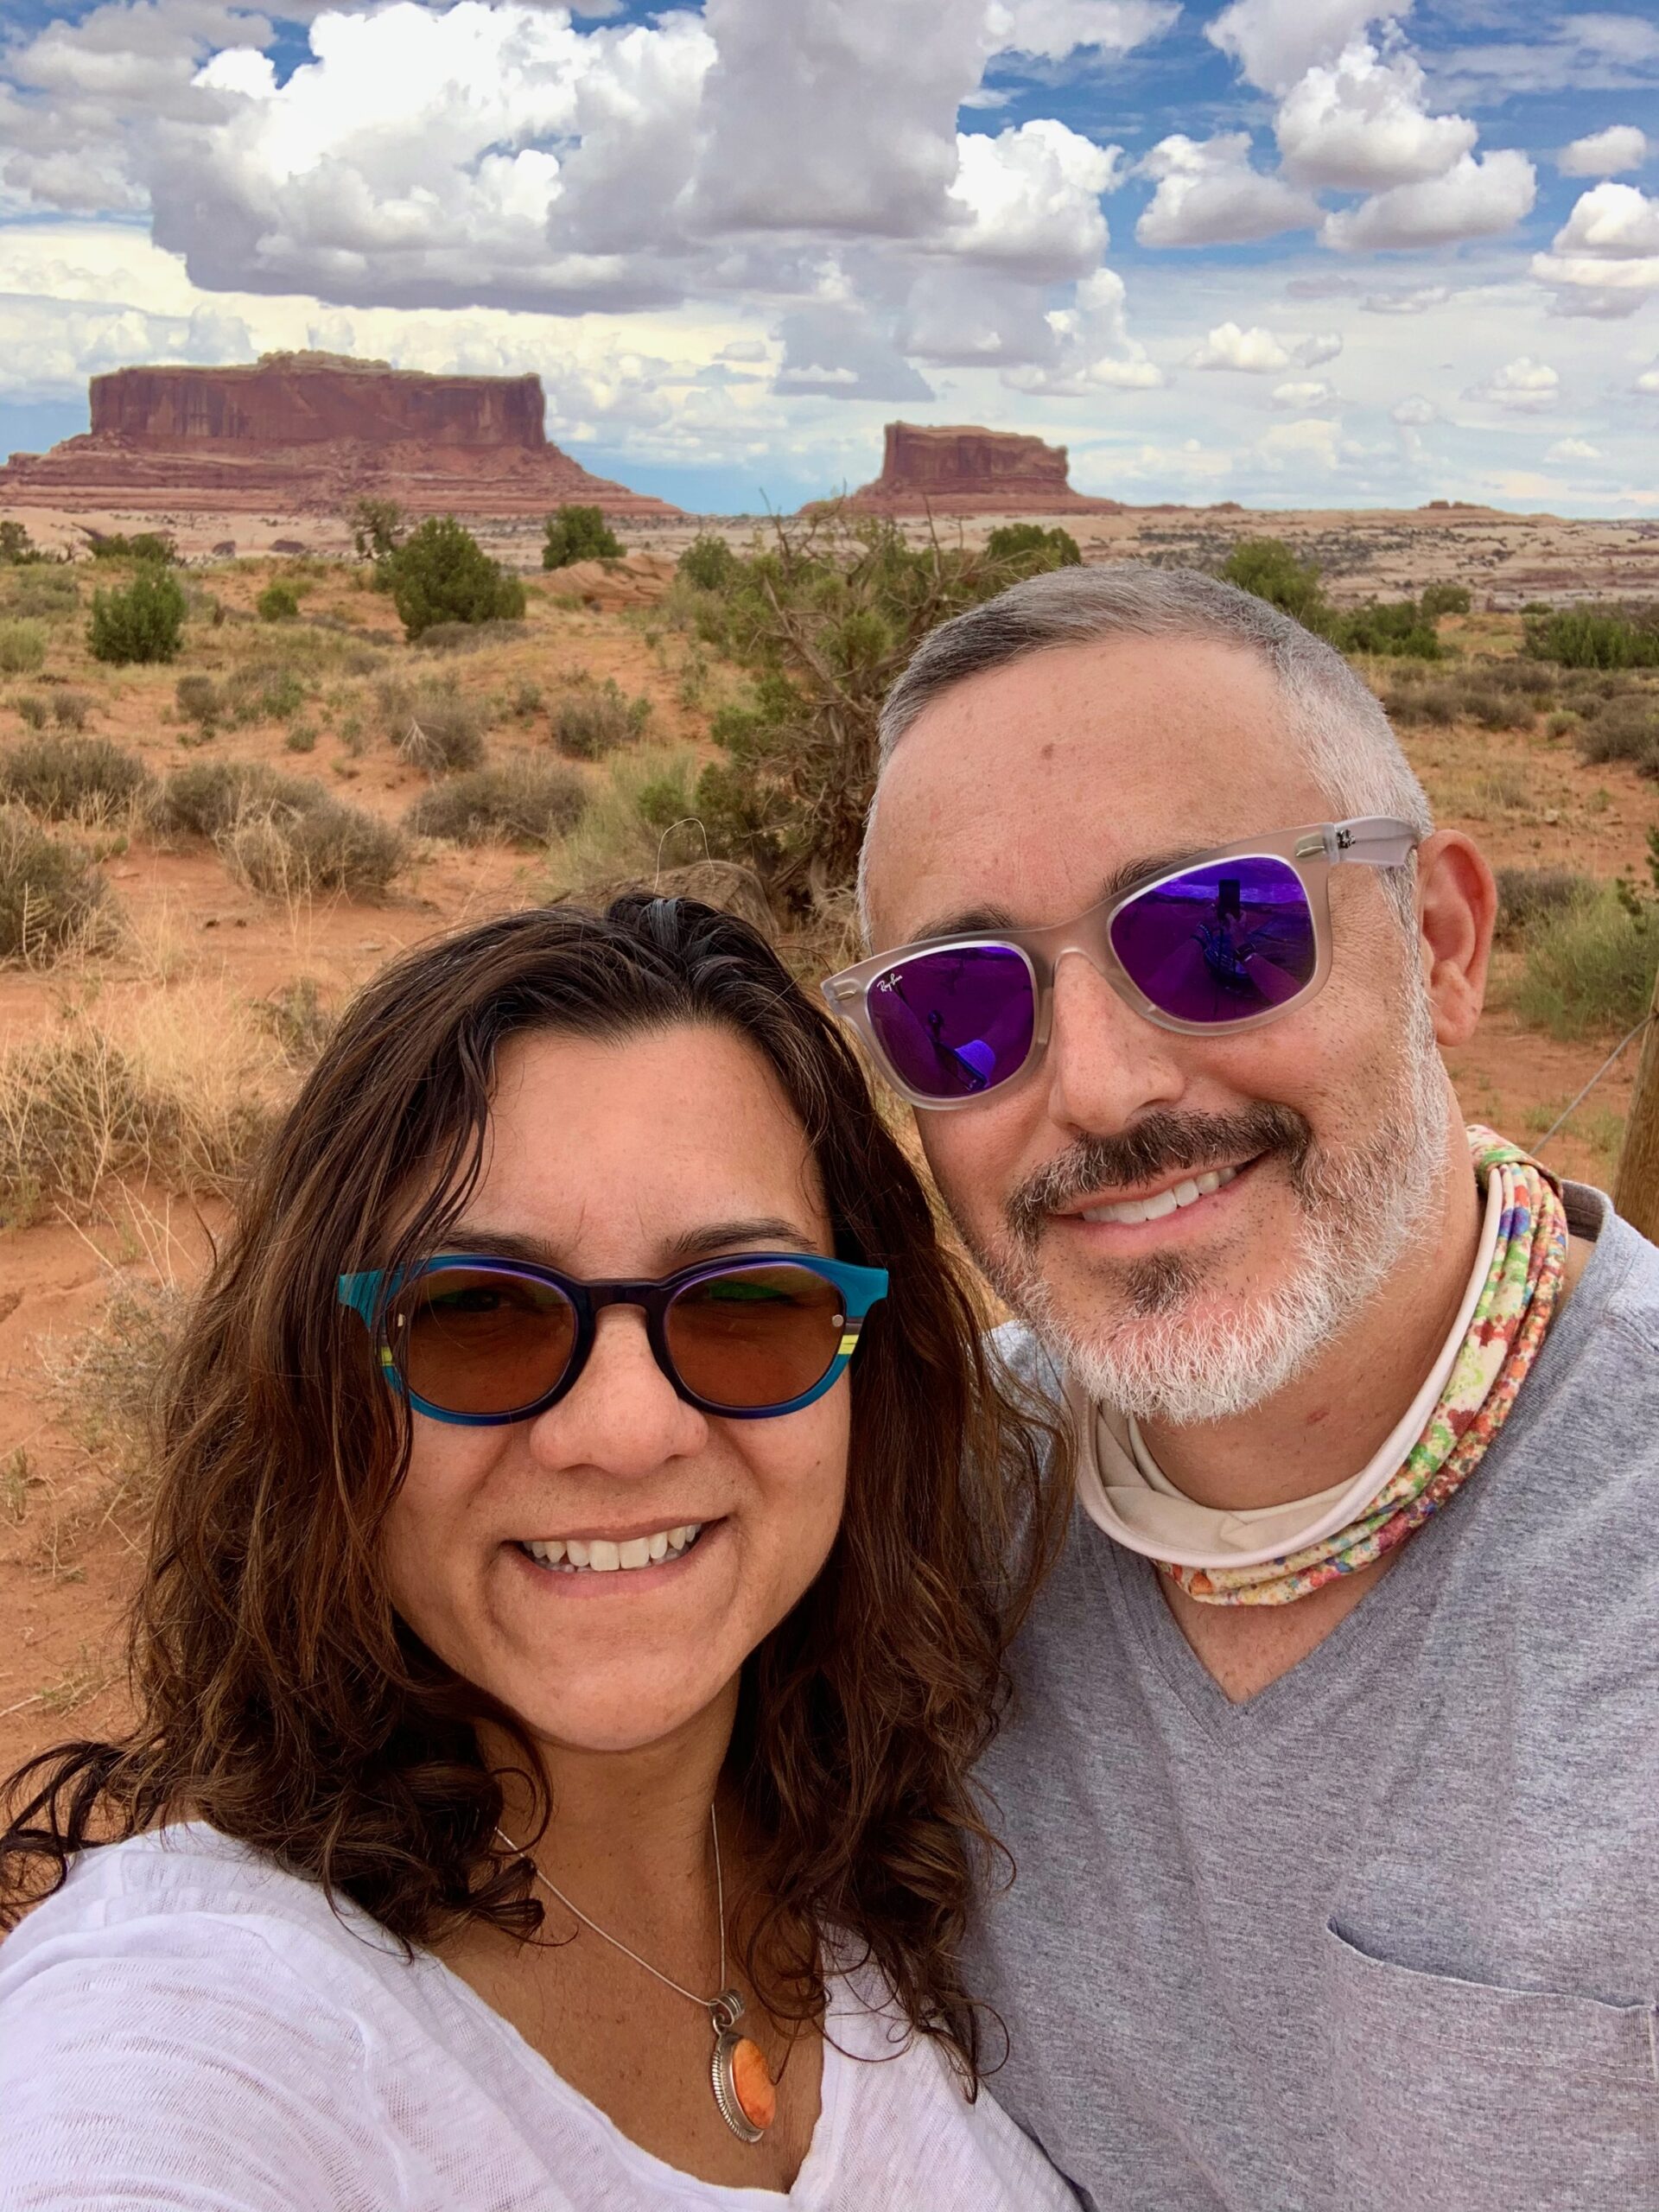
1385, 1937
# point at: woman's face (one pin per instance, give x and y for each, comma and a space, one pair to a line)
629, 1159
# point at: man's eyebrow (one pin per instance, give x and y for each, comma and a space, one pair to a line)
987, 920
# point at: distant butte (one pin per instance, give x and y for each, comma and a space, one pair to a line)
963, 470
310, 433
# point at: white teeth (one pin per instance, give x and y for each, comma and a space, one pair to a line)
603, 1556
1161, 1203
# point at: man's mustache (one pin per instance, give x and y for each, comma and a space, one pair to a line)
1160, 1145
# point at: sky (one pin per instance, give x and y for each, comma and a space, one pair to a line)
1288, 253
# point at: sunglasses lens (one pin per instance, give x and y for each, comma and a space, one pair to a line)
956, 1022
756, 1337
1221, 942
479, 1340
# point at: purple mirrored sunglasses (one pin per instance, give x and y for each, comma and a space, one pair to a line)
1228, 940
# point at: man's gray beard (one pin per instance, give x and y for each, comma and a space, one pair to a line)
1361, 1211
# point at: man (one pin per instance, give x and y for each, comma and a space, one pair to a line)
1332, 1776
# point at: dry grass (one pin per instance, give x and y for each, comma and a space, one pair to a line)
326, 849
88, 780
106, 1385
172, 1086
432, 725
519, 802
52, 901
591, 719
641, 818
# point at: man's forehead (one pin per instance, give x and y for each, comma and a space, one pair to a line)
1028, 793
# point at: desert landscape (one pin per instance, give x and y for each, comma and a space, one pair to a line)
203, 853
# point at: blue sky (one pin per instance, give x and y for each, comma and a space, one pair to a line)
1292, 252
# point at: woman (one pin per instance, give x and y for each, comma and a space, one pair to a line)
556, 1676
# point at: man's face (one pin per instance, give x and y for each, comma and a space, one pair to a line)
1018, 794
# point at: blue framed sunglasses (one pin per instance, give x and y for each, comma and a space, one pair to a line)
480, 1342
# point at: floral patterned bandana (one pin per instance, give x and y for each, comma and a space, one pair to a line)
1512, 1312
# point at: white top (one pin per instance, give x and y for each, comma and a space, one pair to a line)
1123, 1490
185, 2025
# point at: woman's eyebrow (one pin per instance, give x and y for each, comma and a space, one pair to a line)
707, 1238
716, 1236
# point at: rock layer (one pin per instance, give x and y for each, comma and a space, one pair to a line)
309, 433
964, 469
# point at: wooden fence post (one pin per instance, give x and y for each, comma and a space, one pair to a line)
1635, 1186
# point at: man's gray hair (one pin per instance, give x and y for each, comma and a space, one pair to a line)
1341, 727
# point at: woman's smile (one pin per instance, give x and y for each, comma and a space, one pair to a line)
592, 1565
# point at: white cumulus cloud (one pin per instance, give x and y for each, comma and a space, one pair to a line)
1480, 195
1275, 42
1228, 346
1358, 123
1054, 29
1208, 195
1572, 449
1413, 413
1523, 384
1605, 153
1031, 198
1092, 349
1303, 394
1605, 259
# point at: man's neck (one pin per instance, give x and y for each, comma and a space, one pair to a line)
1326, 1423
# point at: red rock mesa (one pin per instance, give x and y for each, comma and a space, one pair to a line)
967, 470
308, 432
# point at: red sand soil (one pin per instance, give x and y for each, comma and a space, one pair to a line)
70, 1544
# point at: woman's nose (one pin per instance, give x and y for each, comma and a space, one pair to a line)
622, 1414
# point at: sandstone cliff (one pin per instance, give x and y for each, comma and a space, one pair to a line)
311, 433
963, 470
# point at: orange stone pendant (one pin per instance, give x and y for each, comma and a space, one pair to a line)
744, 2088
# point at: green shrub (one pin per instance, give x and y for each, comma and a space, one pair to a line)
22, 648
327, 848
302, 737
432, 725
1529, 896
377, 530
592, 719
51, 591
523, 801
579, 534
49, 898
143, 623
34, 710
1032, 549
442, 574
70, 709
206, 797
709, 563
1268, 567
1443, 599
1625, 729
198, 700
1395, 628
1591, 968
70, 779
279, 602
16, 546
150, 545
1582, 638
265, 695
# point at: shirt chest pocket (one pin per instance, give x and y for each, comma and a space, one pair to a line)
1457, 2096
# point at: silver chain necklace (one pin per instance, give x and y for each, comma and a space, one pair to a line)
746, 2095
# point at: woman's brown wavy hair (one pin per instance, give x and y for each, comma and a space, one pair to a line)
279, 1697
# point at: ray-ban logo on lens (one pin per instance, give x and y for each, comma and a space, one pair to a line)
892, 980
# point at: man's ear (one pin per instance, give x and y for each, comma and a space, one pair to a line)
1457, 910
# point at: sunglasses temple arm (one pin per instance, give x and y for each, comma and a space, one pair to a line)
1372, 840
